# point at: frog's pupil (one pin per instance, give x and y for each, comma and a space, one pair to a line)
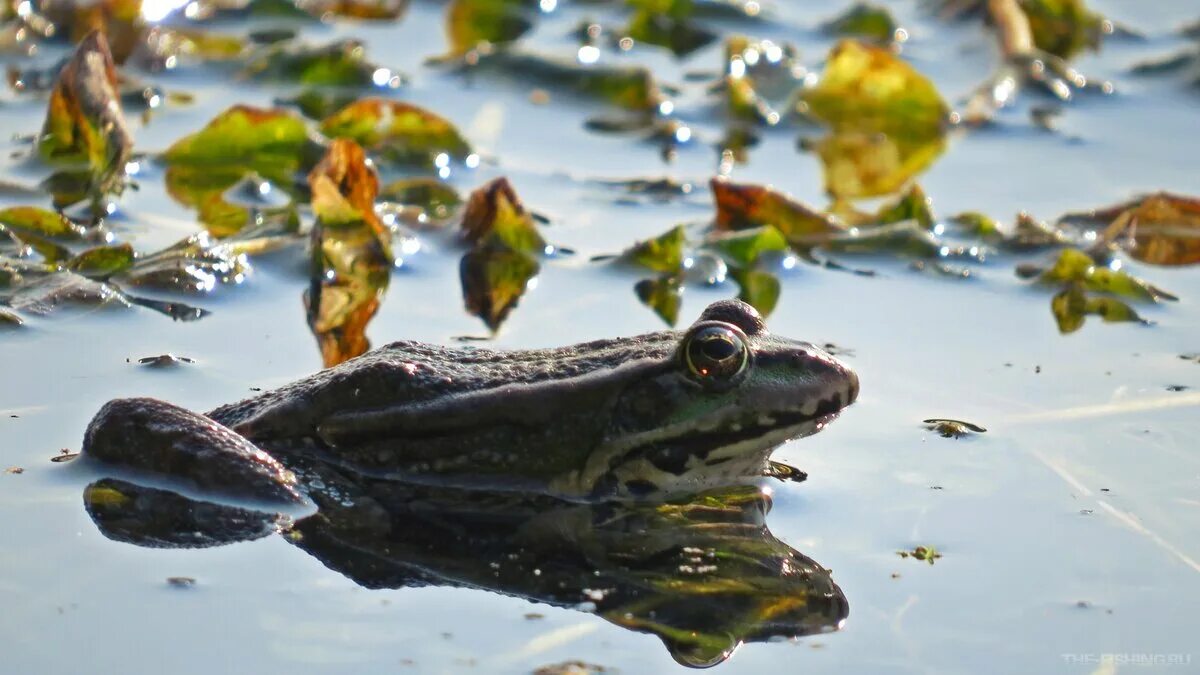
718, 348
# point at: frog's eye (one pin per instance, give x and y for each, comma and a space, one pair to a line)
716, 354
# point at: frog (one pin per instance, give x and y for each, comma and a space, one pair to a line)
643, 417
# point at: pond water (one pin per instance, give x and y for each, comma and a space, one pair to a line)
1068, 531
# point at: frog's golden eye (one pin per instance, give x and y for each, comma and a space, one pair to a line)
716, 354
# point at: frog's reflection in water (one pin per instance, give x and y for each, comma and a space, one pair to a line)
703, 574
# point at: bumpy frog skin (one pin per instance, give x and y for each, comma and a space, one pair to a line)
646, 416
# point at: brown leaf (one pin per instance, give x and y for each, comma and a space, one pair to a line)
743, 206
1160, 229
494, 211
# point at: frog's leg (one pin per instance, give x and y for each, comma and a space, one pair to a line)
166, 443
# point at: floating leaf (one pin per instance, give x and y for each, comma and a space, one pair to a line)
317, 103
102, 262
743, 206
867, 89
494, 212
978, 224
398, 132
628, 87
744, 247
202, 166
662, 294
663, 253
1160, 229
470, 23
1071, 306
947, 428
9, 318
494, 277
339, 64
924, 553
351, 252
39, 221
759, 289
1076, 267
904, 238
436, 199
864, 20
667, 23
1063, 27
197, 264
85, 131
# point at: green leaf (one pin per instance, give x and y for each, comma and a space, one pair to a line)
978, 224
743, 248
759, 289
629, 87
436, 199
398, 132
864, 20
906, 238
912, 206
1072, 305
662, 294
338, 64
102, 261
1076, 267
666, 23
495, 213
470, 23
1063, 27
663, 253
39, 221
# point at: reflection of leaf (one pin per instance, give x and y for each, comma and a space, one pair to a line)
1076, 267
662, 294
202, 166
1160, 229
494, 278
339, 64
743, 206
351, 252
1071, 306
872, 22
912, 205
858, 165
399, 132
743, 248
84, 129
663, 253
494, 22
759, 289
102, 261
494, 212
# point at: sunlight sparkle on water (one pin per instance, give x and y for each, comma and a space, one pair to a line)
154, 11
588, 54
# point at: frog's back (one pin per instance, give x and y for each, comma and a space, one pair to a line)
404, 373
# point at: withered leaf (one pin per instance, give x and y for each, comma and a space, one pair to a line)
743, 206
494, 211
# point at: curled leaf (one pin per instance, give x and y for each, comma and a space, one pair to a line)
1076, 267
743, 206
398, 132
351, 252
85, 131
495, 212
1160, 229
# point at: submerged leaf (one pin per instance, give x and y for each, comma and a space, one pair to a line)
629, 87
742, 206
338, 64
85, 131
495, 212
398, 132
663, 253
1071, 306
351, 252
662, 294
436, 199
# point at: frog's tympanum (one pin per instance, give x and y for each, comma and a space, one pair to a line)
618, 468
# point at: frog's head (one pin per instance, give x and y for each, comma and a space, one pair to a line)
728, 395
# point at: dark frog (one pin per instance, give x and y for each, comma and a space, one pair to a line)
653, 415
